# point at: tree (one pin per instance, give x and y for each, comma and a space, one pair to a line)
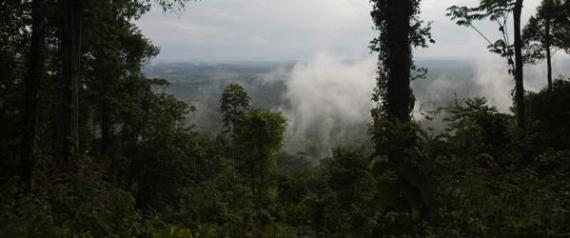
234, 104
519, 77
499, 11
400, 29
114, 89
260, 137
546, 30
392, 132
71, 47
71, 60
15, 31
550, 112
32, 84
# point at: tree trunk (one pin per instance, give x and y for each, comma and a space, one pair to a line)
32, 85
106, 130
399, 59
548, 53
71, 55
519, 70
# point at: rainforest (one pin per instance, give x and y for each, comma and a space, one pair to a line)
283, 119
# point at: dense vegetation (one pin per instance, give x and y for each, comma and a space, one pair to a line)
91, 147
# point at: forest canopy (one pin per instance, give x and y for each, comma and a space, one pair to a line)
91, 146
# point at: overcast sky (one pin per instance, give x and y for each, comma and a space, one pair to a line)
276, 30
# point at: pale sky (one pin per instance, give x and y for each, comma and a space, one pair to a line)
276, 30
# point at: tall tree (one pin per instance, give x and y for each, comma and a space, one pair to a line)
113, 52
400, 29
234, 104
499, 11
260, 135
519, 70
548, 29
71, 60
32, 84
14, 45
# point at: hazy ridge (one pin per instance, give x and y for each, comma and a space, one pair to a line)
302, 92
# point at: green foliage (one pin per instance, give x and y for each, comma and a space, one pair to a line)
390, 19
496, 11
480, 129
485, 189
234, 104
535, 33
550, 114
144, 172
420, 35
403, 170
468, 180
174, 232
85, 208
493, 10
507, 205
30, 216
260, 138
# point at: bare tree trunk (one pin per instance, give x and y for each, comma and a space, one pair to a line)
519, 83
71, 55
399, 59
106, 130
548, 53
32, 83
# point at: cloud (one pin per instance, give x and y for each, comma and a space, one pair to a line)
294, 29
239, 30
328, 98
332, 89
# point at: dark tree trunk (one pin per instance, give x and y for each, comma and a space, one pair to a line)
548, 53
107, 142
519, 84
32, 86
71, 55
399, 59
106, 130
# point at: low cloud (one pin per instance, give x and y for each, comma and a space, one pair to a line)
329, 98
